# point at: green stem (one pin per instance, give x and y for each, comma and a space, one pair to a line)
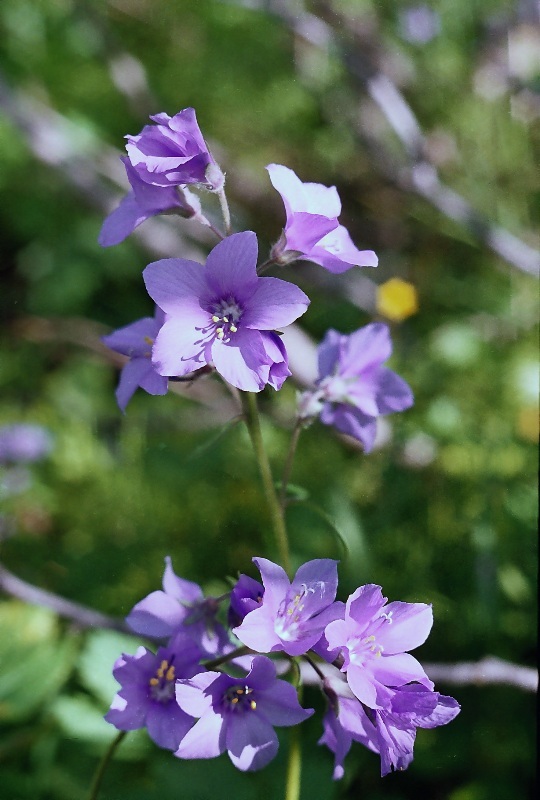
216, 662
294, 766
226, 214
251, 413
100, 772
288, 465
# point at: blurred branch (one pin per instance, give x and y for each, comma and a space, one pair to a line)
361, 55
83, 617
488, 671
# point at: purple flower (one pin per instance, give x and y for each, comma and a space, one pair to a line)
312, 231
374, 638
246, 595
147, 697
344, 722
292, 616
145, 201
238, 714
223, 314
136, 341
390, 733
353, 387
173, 153
24, 443
395, 730
180, 607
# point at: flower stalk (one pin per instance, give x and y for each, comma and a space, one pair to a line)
251, 414
102, 768
294, 765
288, 464
226, 214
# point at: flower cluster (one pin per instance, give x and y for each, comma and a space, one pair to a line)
212, 685
223, 315
201, 695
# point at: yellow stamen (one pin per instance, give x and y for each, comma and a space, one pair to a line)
154, 681
215, 318
253, 705
234, 700
233, 328
220, 333
170, 674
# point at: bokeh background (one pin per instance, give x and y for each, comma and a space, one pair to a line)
426, 117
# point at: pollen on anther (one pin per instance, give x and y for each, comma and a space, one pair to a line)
215, 318
154, 681
233, 328
253, 705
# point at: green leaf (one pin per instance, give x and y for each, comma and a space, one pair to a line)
97, 659
79, 718
35, 660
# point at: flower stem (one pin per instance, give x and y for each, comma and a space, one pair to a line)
216, 662
100, 772
294, 766
251, 413
225, 211
265, 265
288, 465
205, 221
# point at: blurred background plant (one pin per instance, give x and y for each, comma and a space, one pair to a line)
427, 118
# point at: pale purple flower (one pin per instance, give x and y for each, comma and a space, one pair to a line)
144, 201
180, 607
147, 697
312, 231
24, 443
136, 341
238, 714
344, 722
173, 153
353, 388
395, 730
391, 733
246, 596
374, 638
223, 314
292, 616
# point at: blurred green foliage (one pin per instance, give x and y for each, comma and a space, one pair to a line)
445, 512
